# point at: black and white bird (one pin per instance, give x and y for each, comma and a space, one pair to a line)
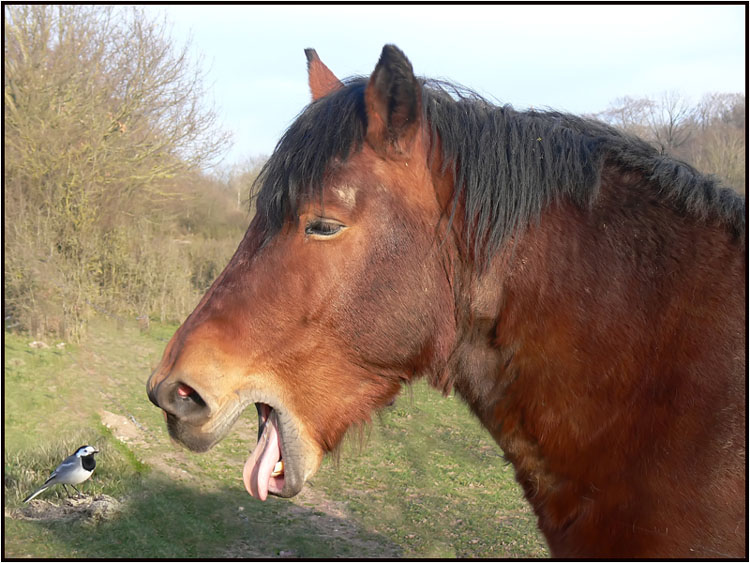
73, 470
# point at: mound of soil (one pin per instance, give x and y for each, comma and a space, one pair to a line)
94, 509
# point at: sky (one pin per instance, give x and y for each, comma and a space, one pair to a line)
570, 58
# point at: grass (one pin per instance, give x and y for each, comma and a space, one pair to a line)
430, 466
427, 482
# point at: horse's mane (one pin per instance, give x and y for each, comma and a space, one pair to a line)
508, 165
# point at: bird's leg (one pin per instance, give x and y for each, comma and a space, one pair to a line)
66, 489
77, 491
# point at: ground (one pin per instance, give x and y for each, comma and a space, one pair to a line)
423, 465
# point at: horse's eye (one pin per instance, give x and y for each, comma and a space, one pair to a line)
323, 228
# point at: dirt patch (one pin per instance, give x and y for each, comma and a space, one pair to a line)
244, 549
93, 509
310, 497
128, 430
329, 521
123, 428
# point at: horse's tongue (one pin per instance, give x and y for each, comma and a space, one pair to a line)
260, 464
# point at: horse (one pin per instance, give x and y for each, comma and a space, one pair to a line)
583, 293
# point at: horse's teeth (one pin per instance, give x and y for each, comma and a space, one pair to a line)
278, 469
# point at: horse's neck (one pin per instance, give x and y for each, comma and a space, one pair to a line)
599, 314
580, 297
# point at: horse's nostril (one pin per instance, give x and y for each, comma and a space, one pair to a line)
180, 400
188, 401
187, 393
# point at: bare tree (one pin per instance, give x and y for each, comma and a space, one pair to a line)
670, 121
721, 108
104, 116
240, 179
629, 114
721, 136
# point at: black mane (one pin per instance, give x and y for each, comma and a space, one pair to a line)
508, 165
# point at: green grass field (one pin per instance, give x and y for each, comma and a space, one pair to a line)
427, 481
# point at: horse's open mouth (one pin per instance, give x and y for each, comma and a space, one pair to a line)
264, 469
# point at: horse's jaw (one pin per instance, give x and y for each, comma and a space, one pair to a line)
281, 438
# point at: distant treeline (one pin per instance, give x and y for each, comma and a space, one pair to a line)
107, 208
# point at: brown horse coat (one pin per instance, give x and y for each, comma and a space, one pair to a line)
582, 293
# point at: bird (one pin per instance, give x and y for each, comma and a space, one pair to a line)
73, 470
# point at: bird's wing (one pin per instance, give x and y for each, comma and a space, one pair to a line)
67, 464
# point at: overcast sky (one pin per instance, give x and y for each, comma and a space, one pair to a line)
570, 58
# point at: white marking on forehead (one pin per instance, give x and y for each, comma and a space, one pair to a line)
347, 194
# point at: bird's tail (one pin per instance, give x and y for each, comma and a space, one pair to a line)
35, 493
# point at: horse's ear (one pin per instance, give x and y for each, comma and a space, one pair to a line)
393, 101
322, 80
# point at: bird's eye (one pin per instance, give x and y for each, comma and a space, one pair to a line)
323, 228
